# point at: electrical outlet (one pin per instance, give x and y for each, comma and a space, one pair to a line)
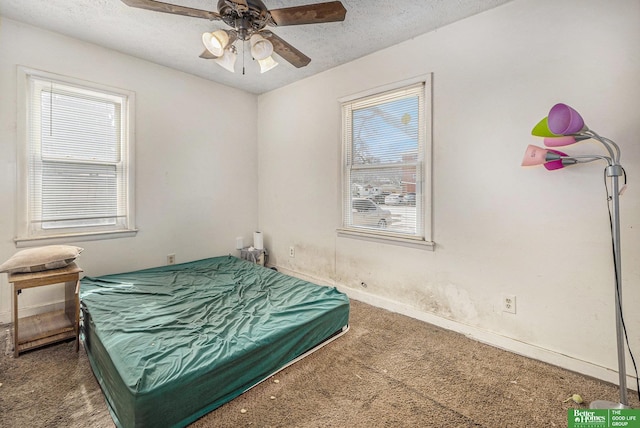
509, 303
171, 259
292, 251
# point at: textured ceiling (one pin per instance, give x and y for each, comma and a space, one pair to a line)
175, 41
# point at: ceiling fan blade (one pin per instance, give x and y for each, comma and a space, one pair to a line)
286, 51
159, 6
331, 11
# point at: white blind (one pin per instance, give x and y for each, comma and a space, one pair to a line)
384, 152
77, 177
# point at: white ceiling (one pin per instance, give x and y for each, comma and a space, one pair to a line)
175, 41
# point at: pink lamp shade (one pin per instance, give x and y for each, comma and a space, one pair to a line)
563, 141
535, 155
560, 163
564, 120
559, 141
553, 165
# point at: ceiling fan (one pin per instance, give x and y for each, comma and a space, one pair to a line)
248, 19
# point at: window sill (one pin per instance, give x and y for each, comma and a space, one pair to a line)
79, 237
386, 239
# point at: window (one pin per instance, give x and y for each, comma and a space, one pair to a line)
75, 160
386, 171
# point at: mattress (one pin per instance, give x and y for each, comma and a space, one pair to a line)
172, 343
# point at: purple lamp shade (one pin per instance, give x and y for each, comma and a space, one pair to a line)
565, 120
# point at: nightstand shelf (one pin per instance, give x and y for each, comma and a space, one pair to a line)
42, 329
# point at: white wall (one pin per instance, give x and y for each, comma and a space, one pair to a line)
196, 157
499, 228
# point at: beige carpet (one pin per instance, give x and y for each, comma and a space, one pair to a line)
387, 371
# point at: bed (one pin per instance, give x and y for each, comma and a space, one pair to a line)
172, 343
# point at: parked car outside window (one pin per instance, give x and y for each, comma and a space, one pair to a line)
365, 212
393, 199
409, 198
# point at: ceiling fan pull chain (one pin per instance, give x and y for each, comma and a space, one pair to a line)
243, 43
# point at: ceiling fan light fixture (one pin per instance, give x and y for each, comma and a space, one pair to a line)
228, 59
216, 42
267, 64
261, 48
247, 18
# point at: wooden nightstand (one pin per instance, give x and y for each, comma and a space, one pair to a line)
43, 329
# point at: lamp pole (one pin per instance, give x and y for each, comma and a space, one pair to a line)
562, 127
613, 172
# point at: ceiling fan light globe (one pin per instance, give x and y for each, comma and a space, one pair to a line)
227, 60
216, 42
261, 48
267, 64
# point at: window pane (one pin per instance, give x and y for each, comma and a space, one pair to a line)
386, 133
77, 127
78, 195
78, 168
383, 196
384, 140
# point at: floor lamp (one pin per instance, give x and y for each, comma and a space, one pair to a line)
562, 127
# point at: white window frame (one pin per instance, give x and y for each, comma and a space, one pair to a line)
423, 239
29, 227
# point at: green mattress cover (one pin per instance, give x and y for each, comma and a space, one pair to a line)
170, 344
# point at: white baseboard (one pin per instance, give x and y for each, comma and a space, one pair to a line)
490, 338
